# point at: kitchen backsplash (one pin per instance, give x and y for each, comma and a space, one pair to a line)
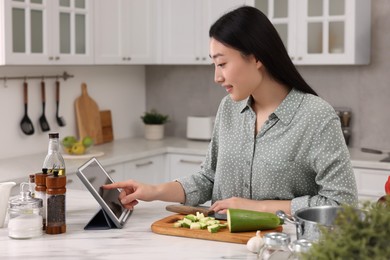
118, 88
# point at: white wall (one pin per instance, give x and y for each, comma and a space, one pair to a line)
118, 88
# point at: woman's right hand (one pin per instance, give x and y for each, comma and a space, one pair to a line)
132, 191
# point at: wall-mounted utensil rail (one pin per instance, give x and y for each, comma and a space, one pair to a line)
64, 76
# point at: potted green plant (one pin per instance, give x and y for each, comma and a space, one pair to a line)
154, 124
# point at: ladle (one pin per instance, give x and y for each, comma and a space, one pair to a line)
26, 124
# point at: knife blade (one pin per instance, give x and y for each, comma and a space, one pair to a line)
182, 209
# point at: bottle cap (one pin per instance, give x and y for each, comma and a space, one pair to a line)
54, 135
277, 239
301, 245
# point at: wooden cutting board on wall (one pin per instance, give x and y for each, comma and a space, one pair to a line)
165, 227
107, 130
88, 116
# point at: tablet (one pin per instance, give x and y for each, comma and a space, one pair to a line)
93, 175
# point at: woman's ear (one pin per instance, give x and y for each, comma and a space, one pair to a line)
259, 64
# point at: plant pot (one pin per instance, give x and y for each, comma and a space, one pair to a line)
154, 132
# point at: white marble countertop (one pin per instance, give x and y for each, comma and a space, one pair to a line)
134, 241
129, 149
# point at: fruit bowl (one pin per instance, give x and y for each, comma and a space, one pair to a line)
72, 146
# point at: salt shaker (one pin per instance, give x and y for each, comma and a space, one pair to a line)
25, 215
299, 247
275, 246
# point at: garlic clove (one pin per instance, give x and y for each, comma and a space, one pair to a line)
255, 243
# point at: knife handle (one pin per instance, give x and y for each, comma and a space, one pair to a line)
188, 210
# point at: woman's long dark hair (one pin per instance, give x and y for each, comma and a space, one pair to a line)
249, 31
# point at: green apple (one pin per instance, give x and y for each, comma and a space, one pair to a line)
69, 141
87, 141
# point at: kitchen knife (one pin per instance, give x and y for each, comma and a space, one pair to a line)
178, 208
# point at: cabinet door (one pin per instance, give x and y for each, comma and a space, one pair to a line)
47, 32
211, 11
71, 41
148, 170
116, 171
73, 182
125, 31
371, 182
181, 31
322, 31
182, 165
26, 32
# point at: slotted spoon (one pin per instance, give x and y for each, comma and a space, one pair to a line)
26, 124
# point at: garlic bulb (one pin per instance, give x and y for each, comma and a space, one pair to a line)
255, 243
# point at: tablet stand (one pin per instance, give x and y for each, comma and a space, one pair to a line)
100, 221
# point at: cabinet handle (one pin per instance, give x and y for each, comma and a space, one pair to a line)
128, 58
299, 58
69, 181
111, 171
197, 58
190, 161
204, 58
137, 165
51, 58
57, 58
292, 58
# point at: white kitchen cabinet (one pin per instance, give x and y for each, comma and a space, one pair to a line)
54, 32
147, 170
126, 31
183, 165
370, 182
185, 26
73, 182
116, 171
322, 31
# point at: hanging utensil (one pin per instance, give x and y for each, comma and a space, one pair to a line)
26, 124
60, 120
42, 120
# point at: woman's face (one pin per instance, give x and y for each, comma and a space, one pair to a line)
239, 75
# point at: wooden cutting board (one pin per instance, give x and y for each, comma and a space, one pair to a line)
106, 121
165, 227
88, 117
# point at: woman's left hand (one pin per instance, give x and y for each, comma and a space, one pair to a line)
221, 206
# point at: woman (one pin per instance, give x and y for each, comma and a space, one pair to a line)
276, 144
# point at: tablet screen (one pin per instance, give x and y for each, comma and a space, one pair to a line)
97, 177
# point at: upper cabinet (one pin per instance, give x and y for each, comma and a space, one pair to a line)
185, 25
126, 31
46, 32
322, 31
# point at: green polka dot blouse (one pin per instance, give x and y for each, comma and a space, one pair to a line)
299, 154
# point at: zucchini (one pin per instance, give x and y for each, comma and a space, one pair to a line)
240, 220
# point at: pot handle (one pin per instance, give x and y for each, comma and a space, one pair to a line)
285, 217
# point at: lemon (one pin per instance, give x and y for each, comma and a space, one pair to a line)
78, 148
87, 141
68, 150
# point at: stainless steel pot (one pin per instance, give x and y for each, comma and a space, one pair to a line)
308, 221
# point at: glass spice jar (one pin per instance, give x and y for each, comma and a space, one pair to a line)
275, 246
299, 247
25, 215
